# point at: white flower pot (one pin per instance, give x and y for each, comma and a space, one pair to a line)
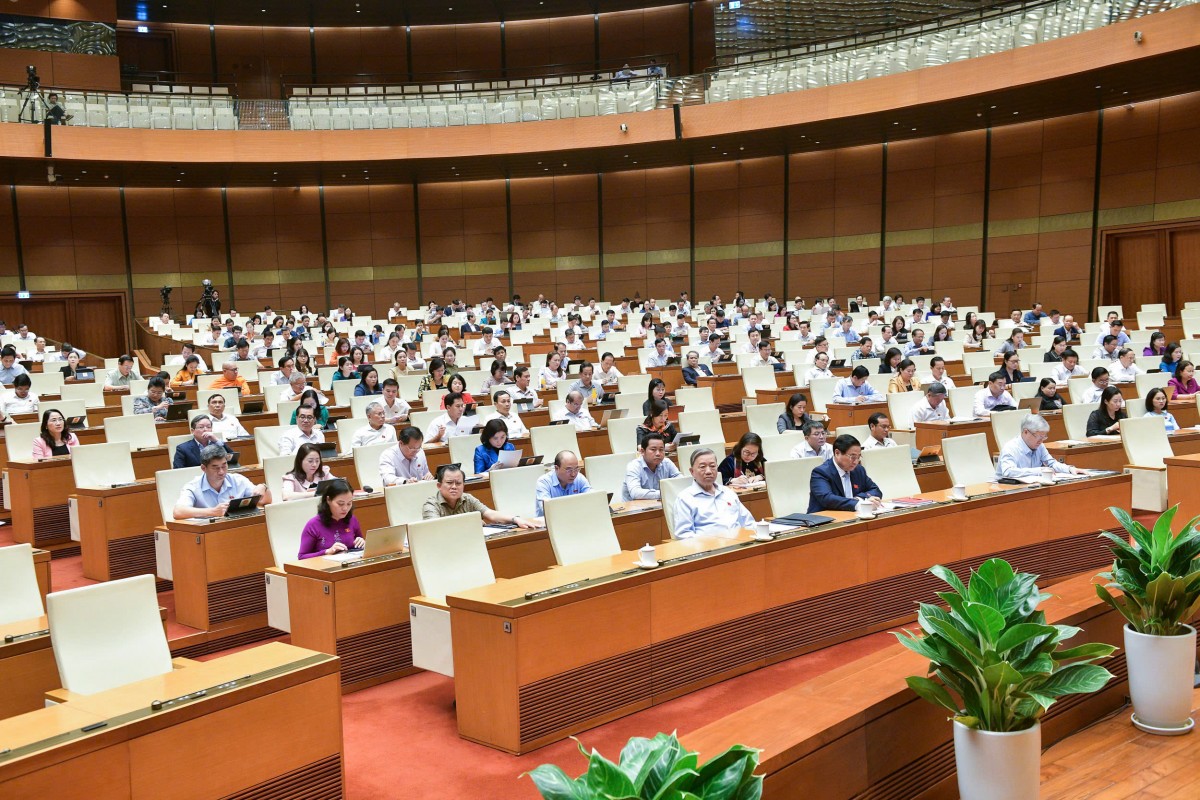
998, 766
1160, 680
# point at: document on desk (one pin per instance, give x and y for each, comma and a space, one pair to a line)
348, 555
509, 458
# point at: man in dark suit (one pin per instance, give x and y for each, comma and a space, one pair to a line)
470, 326
841, 482
694, 368
1069, 329
187, 454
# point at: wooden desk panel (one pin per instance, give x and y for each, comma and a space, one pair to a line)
1183, 486
843, 414
728, 390
751, 601
41, 566
1110, 455
27, 667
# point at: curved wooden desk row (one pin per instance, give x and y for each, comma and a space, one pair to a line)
533, 671
858, 732
226, 743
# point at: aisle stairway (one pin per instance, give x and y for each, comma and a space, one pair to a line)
262, 115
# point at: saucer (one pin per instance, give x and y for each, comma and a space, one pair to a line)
1142, 726
959, 499
640, 565
768, 538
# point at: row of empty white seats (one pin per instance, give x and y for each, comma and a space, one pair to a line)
134, 110
585, 78
165, 88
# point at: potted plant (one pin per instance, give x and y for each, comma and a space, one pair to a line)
655, 769
1159, 578
999, 667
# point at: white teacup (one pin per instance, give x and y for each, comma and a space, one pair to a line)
647, 557
1048, 475
763, 531
959, 492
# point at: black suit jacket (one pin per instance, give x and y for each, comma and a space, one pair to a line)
690, 374
825, 488
188, 454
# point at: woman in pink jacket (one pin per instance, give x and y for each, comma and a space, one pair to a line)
55, 439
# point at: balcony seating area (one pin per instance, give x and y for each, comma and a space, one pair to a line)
197, 108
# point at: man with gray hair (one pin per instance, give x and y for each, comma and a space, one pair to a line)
207, 495
707, 508
1026, 456
188, 454
376, 431
575, 411
933, 406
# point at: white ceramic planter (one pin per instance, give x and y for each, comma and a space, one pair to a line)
998, 766
1160, 680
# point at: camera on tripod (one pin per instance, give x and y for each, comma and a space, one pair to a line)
32, 81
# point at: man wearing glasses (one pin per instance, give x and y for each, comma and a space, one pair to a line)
562, 481
450, 500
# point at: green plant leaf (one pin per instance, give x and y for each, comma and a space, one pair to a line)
722, 785
988, 621
675, 785
607, 779
553, 784
1075, 679
996, 571
638, 757
1021, 633
933, 692
947, 575
1089, 651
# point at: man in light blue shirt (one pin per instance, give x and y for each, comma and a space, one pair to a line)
847, 332
917, 346
562, 481
1026, 455
1115, 328
660, 355
856, 388
9, 368
706, 508
208, 495
1033, 317
644, 473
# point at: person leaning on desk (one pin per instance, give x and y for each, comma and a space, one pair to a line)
334, 529
1106, 420
706, 507
450, 500
841, 483
187, 454
1026, 455
208, 495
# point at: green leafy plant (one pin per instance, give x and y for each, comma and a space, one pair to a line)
655, 769
1158, 575
998, 663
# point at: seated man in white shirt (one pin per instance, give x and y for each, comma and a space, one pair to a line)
1068, 368
681, 328
993, 397
1091, 395
575, 411
608, 374
804, 334
645, 473
405, 462
376, 431
814, 445
880, 428
819, 369
224, 426
502, 403
305, 432
886, 341
660, 355
522, 392
933, 406
571, 340
296, 386
264, 350
395, 409
706, 508
764, 357
857, 388
1026, 455
1125, 370
1108, 349
714, 352
487, 344
938, 374
181, 359
753, 339
820, 345
121, 377
22, 400
454, 422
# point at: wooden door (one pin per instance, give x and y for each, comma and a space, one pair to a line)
1184, 250
1009, 290
1157, 263
145, 52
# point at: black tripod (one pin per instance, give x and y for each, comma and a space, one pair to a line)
33, 89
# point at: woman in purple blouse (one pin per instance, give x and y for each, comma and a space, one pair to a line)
334, 529
1183, 386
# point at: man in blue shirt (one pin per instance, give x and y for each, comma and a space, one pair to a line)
1033, 317
9, 369
841, 483
647, 471
562, 481
856, 388
706, 507
208, 495
1026, 455
917, 346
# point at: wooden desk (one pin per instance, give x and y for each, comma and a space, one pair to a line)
857, 730
1104, 454
930, 434
747, 605
141, 753
41, 566
27, 666
843, 414
728, 390
1183, 486
672, 376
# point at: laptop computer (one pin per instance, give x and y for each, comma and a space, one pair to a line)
682, 439
233, 460
559, 421
529, 461
674, 361
837, 363
85, 374
1033, 404
27, 364
253, 407
178, 412
607, 397
328, 449
331, 423
241, 506
76, 422
384, 541
323, 485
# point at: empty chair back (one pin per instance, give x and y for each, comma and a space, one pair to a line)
274, 468
968, 460
900, 408
695, 399
513, 489
19, 439
638, 385
580, 528
266, 440
962, 400
550, 440
622, 434
285, 524
1151, 380
860, 432
820, 393
449, 555
404, 501
1006, 425
366, 464
779, 446
705, 423
607, 473
462, 451
92, 394
20, 598
1075, 417
101, 465
1145, 440
138, 431
108, 634
892, 469
169, 483
788, 483
763, 418
670, 489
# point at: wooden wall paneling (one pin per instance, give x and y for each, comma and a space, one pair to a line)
626, 240
80, 71
485, 240
704, 37
393, 245
1183, 250
666, 31
477, 50
241, 51
192, 47
959, 175
1014, 209
46, 237
718, 204
623, 36
811, 224
857, 196
443, 253
576, 236
286, 51
300, 276
253, 246
526, 45
434, 52
9, 271
760, 225
571, 40
1068, 185
348, 238
668, 228
910, 213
